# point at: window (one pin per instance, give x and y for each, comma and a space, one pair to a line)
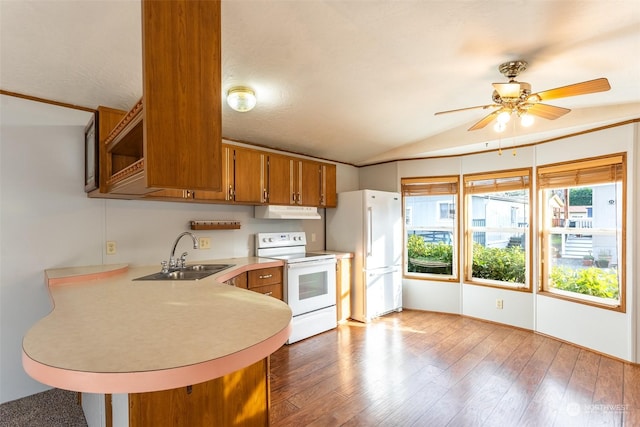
582, 230
446, 210
430, 235
408, 216
497, 210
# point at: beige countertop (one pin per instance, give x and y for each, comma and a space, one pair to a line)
110, 334
338, 254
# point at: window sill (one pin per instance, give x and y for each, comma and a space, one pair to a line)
585, 300
497, 284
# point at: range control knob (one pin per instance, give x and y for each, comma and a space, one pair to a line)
270, 239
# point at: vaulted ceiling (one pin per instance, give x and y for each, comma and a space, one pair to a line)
352, 81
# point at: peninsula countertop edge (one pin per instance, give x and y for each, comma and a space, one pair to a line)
110, 334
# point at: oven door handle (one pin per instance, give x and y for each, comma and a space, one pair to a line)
306, 264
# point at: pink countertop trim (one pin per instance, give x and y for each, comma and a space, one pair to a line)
140, 382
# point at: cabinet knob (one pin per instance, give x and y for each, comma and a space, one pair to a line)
269, 294
266, 276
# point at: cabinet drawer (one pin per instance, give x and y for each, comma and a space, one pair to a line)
265, 276
270, 290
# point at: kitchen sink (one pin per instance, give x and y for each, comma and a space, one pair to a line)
190, 272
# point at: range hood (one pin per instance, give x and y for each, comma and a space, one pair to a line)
286, 212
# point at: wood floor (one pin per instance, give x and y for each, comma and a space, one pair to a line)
431, 369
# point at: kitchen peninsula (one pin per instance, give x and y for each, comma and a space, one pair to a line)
159, 341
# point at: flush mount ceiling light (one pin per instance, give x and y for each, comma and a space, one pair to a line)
241, 99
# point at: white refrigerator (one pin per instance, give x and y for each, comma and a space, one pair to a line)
368, 223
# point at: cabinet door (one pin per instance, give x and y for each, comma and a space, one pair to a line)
241, 395
280, 180
227, 179
249, 176
309, 183
328, 196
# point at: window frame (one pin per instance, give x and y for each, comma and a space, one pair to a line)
470, 191
433, 186
616, 161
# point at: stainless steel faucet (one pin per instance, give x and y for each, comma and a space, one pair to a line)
175, 264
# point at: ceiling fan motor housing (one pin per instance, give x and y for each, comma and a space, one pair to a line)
511, 69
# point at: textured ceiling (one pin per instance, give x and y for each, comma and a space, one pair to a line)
352, 81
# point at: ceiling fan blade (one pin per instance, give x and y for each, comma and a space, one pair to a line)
484, 107
485, 120
549, 112
591, 86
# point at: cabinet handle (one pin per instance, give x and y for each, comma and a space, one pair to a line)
266, 276
268, 294
265, 195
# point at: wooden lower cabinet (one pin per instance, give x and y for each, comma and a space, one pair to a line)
239, 281
237, 399
267, 281
270, 290
343, 289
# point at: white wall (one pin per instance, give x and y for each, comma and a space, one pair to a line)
602, 330
382, 177
48, 222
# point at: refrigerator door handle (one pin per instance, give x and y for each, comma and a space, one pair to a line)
370, 231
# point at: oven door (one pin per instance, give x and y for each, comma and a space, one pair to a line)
311, 285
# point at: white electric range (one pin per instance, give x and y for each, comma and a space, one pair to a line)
309, 282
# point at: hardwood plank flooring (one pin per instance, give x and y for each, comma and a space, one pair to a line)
432, 369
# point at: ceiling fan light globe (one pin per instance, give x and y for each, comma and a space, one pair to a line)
526, 120
504, 117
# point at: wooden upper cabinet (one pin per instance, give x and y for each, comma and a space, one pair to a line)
328, 195
249, 176
281, 180
295, 181
172, 138
108, 119
309, 183
243, 176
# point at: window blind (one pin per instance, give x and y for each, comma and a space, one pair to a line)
581, 173
497, 182
431, 186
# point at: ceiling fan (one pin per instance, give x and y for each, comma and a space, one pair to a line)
515, 97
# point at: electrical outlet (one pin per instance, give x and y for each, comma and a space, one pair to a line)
499, 304
313, 237
204, 243
111, 248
